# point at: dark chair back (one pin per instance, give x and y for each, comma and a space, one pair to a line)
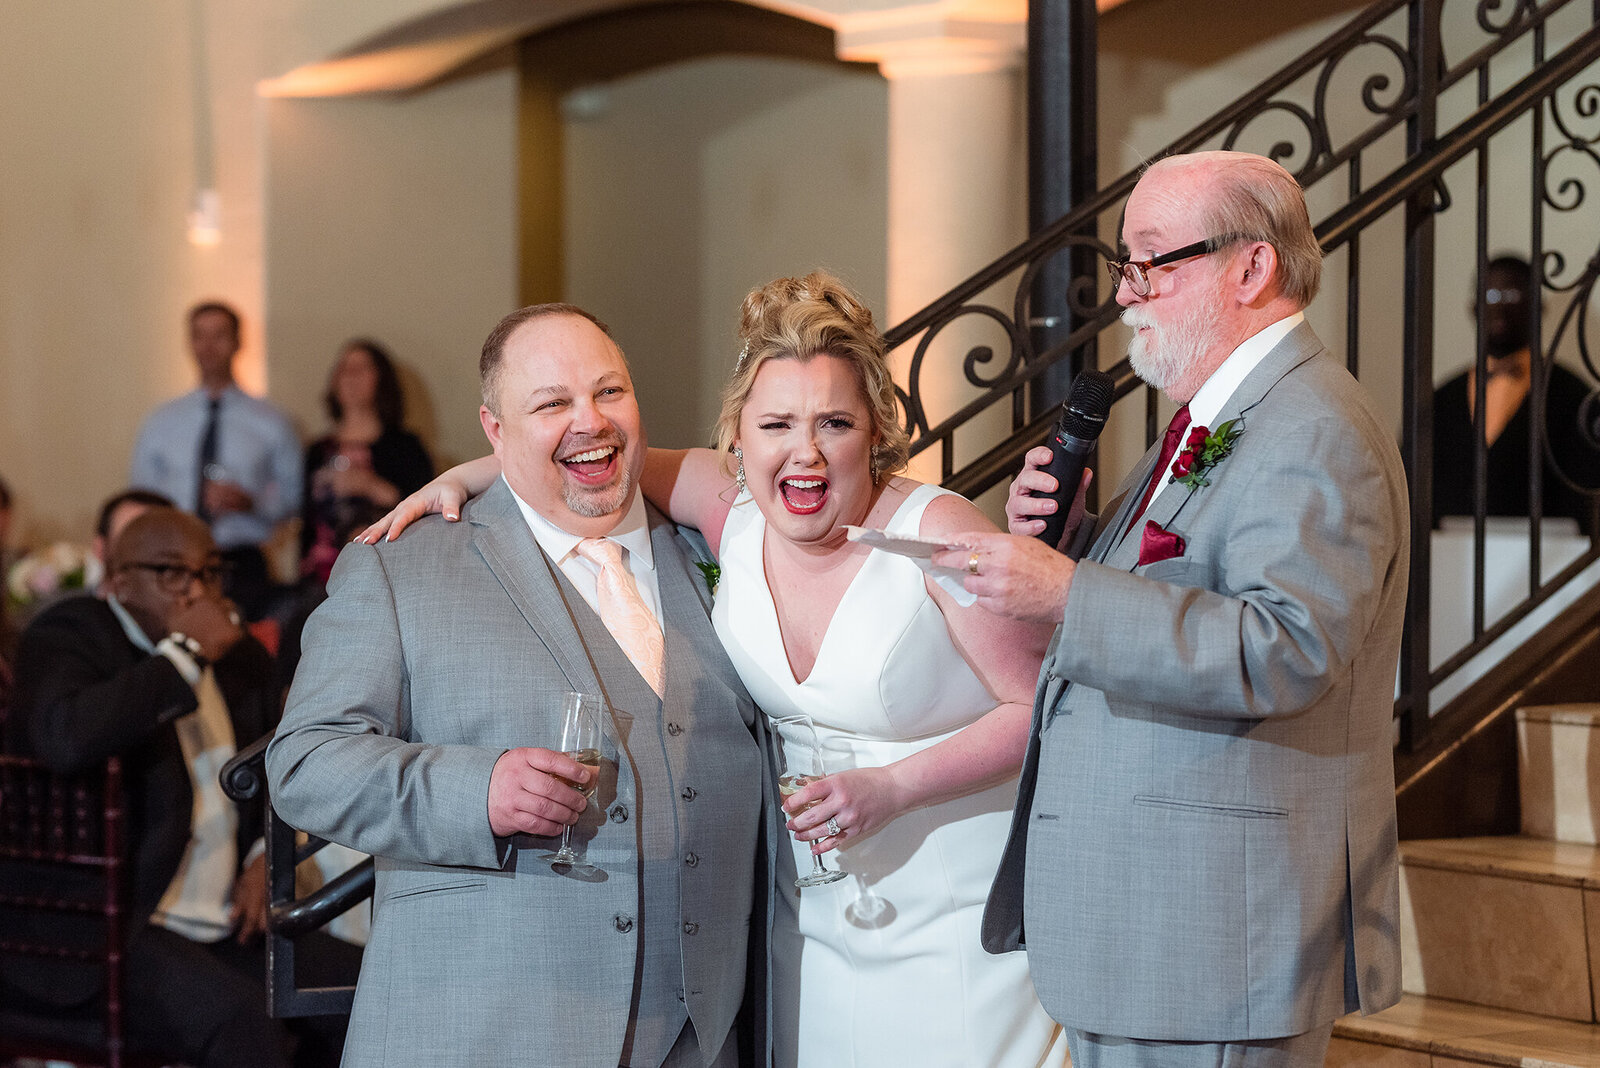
62, 899
290, 916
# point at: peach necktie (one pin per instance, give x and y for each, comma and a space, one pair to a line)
624, 612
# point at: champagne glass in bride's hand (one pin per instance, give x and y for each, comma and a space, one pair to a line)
868, 910
800, 765
580, 740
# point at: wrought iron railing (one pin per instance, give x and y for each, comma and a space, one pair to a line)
1372, 122
288, 915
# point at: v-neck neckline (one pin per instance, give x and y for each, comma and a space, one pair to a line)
827, 633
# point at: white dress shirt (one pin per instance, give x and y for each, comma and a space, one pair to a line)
632, 533
1214, 394
257, 449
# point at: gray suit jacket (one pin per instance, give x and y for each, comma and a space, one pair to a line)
432, 656
1204, 841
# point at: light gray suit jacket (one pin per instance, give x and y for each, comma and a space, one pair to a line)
1203, 847
432, 656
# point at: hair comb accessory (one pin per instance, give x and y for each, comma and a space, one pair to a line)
744, 354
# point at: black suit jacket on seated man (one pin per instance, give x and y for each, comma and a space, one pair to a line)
85, 693
88, 689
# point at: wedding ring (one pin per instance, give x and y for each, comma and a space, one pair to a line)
833, 828
972, 564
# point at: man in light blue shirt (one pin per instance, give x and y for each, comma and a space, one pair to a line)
232, 459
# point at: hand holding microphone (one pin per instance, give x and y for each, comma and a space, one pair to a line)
1083, 416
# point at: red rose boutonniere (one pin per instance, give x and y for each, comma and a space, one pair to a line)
1204, 450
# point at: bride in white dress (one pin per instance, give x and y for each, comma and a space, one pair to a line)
922, 705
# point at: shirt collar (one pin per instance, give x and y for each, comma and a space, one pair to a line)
130, 626
1209, 399
632, 531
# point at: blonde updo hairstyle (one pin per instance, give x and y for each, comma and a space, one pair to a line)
798, 319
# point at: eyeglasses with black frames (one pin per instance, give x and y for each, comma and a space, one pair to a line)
1136, 272
176, 578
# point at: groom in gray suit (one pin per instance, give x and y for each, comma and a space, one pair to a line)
424, 727
1202, 860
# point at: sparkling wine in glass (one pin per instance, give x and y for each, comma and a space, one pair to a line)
800, 765
580, 740
868, 910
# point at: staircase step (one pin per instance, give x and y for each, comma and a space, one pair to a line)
1503, 923
1431, 1032
1558, 771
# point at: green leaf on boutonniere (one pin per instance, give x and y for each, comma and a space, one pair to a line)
1205, 450
711, 571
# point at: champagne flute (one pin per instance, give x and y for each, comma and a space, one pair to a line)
580, 740
868, 910
799, 765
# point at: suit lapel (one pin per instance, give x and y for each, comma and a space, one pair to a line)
1298, 346
1132, 492
507, 546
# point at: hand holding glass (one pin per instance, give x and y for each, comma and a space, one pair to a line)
800, 765
580, 740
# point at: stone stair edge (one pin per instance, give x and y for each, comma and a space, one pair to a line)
1487, 1046
1446, 854
1579, 713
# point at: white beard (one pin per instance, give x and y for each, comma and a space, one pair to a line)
1163, 353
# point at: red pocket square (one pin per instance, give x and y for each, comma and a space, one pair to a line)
1158, 544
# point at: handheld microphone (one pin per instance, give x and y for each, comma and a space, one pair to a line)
1083, 416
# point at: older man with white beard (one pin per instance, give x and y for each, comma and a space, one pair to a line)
1206, 810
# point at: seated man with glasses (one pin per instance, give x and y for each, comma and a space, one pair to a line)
162, 673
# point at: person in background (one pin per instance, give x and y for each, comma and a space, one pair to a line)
161, 673
1506, 298
230, 458
365, 464
115, 514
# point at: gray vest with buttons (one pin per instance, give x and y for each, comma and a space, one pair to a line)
688, 806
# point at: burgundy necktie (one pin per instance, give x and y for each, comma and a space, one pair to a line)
1169, 447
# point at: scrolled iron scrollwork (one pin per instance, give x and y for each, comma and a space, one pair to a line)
1518, 16
1321, 153
911, 399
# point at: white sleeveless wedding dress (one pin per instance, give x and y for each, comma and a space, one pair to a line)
884, 968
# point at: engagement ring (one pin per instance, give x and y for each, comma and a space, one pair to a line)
972, 564
833, 828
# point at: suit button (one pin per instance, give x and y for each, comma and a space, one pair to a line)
622, 923
619, 813
691, 928
689, 793
693, 860
674, 729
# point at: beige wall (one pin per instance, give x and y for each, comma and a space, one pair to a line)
393, 218
95, 180
773, 167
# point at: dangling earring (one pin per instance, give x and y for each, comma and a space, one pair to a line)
738, 476
873, 460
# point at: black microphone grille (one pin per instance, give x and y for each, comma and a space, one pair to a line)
1084, 413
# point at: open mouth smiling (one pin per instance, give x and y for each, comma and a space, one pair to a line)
592, 465
803, 496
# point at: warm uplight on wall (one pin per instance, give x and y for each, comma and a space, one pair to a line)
205, 213
205, 219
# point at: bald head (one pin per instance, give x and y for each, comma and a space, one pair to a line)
160, 534
1242, 193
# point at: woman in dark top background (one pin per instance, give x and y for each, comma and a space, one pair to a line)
369, 461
